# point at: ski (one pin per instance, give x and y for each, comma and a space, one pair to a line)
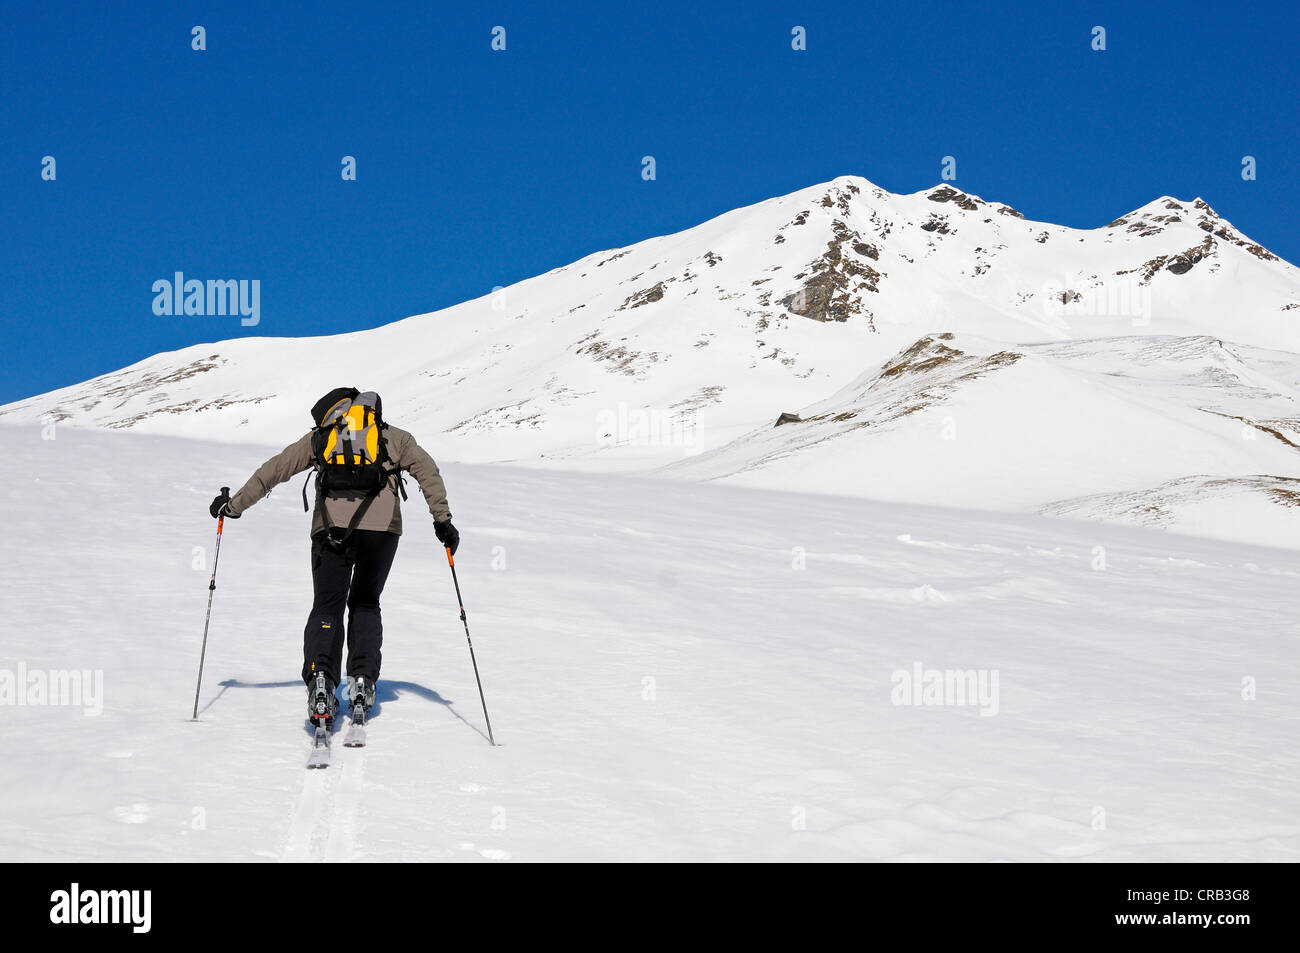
356, 736
320, 751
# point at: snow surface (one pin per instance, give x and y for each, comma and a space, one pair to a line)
664, 683
694, 628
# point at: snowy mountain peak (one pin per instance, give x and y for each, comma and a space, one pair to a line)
1155, 217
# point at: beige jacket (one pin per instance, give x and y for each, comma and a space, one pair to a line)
384, 514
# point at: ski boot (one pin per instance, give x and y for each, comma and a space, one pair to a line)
361, 692
322, 703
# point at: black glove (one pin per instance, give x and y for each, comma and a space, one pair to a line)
447, 535
221, 505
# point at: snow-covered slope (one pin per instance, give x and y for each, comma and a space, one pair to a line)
718, 676
964, 421
1097, 361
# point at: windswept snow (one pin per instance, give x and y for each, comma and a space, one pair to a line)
964, 421
1248, 509
674, 672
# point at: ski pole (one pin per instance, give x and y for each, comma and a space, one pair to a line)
461, 602
212, 587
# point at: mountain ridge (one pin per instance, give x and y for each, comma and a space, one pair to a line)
661, 355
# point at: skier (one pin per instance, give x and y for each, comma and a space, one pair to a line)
358, 460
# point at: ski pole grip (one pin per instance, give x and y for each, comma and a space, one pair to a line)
221, 522
450, 561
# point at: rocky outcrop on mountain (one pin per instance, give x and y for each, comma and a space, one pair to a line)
836, 281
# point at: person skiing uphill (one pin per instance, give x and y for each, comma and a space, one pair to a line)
358, 460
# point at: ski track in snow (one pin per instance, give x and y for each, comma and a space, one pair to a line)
310, 815
714, 684
324, 819
343, 819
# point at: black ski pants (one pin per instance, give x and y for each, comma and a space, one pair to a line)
353, 575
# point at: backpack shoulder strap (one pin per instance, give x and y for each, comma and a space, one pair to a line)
316, 447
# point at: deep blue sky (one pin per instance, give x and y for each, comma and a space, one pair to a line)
478, 168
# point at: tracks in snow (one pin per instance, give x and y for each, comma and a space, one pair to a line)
323, 824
